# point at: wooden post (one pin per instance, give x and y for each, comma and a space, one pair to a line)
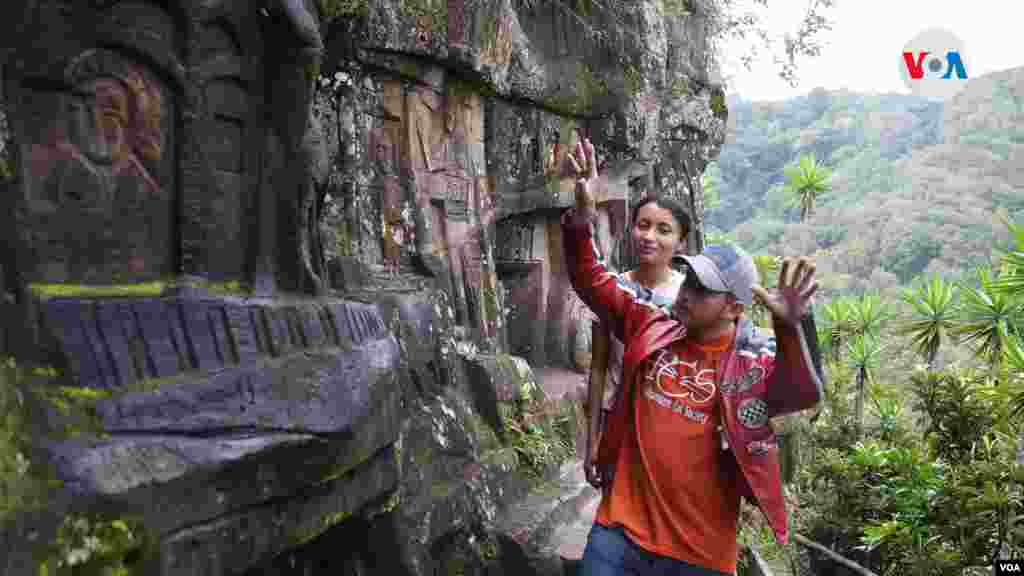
833, 556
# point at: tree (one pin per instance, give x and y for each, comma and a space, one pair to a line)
766, 268
867, 315
1011, 277
839, 317
805, 181
933, 317
863, 351
986, 318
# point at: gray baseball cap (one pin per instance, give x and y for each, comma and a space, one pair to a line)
725, 268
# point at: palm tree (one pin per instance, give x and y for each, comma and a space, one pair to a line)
1011, 276
839, 318
806, 180
933, 318
863, 351
987, 316
766, 267
867, 314
1015, 363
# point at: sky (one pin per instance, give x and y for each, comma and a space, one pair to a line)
862, 52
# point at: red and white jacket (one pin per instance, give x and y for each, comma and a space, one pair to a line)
757, 383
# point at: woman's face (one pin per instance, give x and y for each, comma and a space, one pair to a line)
656, 235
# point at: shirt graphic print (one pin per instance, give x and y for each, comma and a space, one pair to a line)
680, 386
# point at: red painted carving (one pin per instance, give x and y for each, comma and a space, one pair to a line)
107, 146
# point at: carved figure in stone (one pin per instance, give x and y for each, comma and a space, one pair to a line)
108, 152
392, 224
313, 192
296, 57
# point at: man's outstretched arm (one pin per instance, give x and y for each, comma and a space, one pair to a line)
794, 383
610, 297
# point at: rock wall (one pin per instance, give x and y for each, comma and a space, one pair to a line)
280, 272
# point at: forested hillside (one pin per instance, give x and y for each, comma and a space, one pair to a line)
917, 187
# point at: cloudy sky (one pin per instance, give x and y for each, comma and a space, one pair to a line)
863, 50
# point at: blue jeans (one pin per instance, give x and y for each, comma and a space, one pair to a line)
610, 552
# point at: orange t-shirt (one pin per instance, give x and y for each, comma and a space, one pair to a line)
670, 492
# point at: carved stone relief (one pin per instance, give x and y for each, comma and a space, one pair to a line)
98, 194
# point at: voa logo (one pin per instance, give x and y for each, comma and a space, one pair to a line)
933, 64
1009, 567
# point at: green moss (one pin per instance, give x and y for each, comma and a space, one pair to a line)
480, 430
332, 9
489, 549
312, 71
589, 87
97, 545
393, 501
490, 303
306, 535
680, 88
583, 7
142, 289
77, 405
22, 483
6, 170
633, 80
229, 288
432, 15
676, 7
718, 106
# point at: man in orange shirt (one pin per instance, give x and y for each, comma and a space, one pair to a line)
690, 434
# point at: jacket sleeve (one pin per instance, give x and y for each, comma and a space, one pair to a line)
796, 382
605, 293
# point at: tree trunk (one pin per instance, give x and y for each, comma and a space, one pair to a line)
859, 409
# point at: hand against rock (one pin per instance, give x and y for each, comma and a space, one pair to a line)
584, 162
792, 298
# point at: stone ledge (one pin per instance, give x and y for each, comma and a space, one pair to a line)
116, 343
244, 539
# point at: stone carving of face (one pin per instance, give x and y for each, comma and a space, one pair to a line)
104, 139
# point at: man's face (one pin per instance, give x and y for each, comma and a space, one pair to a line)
701, 309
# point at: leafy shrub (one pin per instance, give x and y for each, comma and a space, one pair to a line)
905, 506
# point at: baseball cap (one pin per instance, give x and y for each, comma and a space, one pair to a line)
725, 268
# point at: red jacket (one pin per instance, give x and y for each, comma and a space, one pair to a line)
756, 384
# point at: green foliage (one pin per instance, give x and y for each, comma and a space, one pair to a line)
868, 314
919, 508
912, 254
863, 351
541, 435
1011, 277
18, 487
933, 318
805, 182
987, 317
767, 269
959, 408
93, 546
838, 316
903, 201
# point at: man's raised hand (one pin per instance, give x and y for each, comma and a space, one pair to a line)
790, 300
